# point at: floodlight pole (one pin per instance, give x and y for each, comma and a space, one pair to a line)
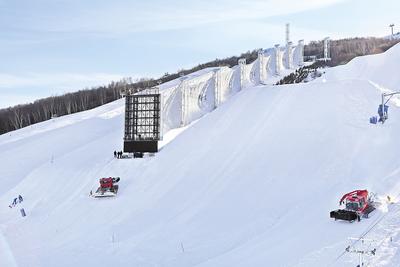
389, 95
383, 105
385, 101
287, 33
391, 26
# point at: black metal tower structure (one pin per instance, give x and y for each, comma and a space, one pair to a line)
142, 121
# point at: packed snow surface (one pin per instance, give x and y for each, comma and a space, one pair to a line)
249, 184
379, 69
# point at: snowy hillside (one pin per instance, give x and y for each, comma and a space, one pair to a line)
379, 69
249, 184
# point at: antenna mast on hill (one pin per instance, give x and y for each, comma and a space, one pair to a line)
287, 33
391, 26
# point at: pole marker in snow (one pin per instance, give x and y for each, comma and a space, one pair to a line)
23, 214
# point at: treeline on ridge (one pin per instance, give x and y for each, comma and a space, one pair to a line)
23, 115
19, 116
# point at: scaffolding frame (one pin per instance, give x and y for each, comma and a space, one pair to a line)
142, 122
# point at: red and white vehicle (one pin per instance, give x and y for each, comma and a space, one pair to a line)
357, 203
108, 187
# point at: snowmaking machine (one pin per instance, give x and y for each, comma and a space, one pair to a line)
108, 187
358, 204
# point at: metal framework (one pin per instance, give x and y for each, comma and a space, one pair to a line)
301, 53
262, 68
327, 49
142, 122
277, 60
289, 56
185, 100
383, 108
389, 96
242, 65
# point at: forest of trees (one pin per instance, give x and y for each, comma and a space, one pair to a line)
19, 116
302, 73
24, 115
344, 50
44, 109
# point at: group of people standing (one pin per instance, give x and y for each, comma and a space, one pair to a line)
16, 200
118, 154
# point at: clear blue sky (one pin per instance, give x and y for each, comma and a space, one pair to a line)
49, 47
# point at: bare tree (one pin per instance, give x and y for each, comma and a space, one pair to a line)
17, 119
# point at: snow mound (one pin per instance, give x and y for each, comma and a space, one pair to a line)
379, 69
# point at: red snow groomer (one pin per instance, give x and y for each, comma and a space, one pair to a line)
358, 204
107, 188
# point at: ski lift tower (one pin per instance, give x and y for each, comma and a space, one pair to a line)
142, 121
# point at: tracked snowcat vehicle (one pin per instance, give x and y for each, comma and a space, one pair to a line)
358, 204
108, 187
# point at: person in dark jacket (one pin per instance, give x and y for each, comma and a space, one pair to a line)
115, 154
20, 199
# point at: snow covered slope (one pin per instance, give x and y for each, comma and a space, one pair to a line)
249, 184
380, 69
